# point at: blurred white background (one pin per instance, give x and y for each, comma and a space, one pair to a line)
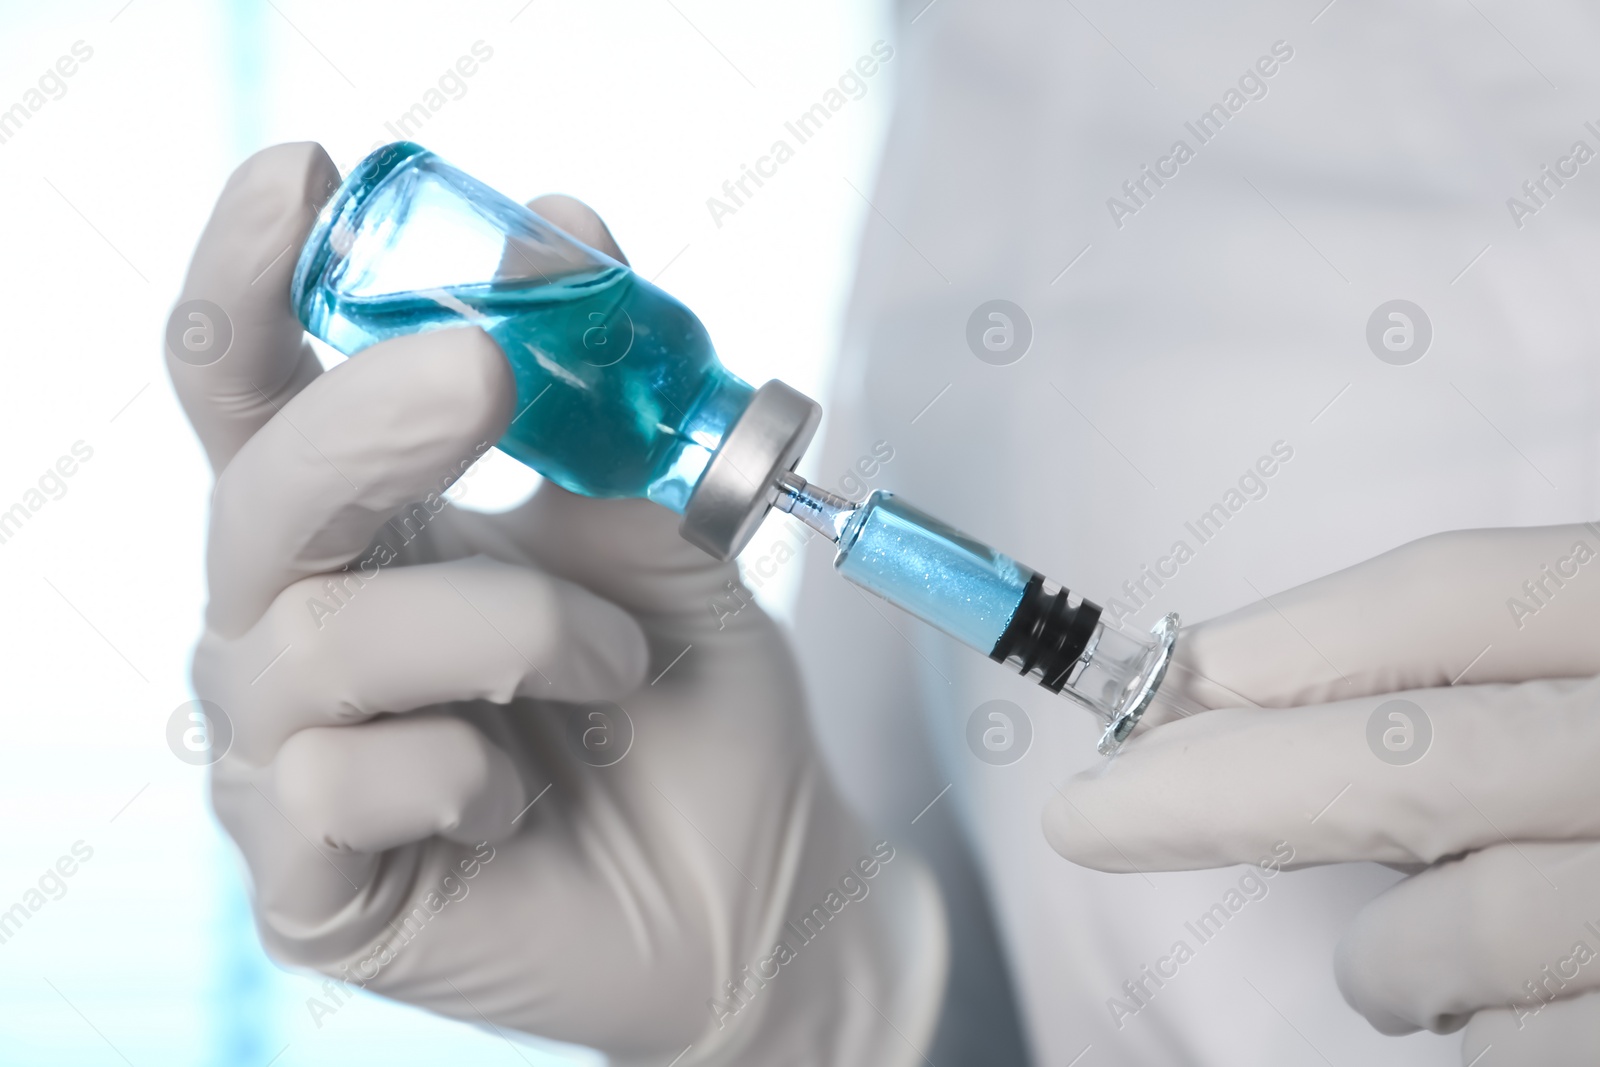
642, 108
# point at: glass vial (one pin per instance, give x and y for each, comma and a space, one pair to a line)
619, 391
989, 602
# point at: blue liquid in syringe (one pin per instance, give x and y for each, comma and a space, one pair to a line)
935, 572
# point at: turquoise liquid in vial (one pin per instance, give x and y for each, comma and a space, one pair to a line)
619, 391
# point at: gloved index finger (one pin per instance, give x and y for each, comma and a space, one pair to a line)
1434, 612
234, 348
1405, 778
395, 424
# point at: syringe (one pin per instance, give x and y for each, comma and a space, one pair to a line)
989, 602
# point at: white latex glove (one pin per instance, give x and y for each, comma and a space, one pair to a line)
1500, 815
411, 803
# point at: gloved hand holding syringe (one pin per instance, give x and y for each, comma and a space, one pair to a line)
620, 394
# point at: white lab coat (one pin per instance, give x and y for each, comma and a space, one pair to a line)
1226, 314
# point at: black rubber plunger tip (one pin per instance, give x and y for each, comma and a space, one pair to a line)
1046, 634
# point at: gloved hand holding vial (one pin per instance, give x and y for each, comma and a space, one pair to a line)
620, 394
505, 767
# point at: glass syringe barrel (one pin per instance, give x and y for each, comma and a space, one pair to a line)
989, 602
